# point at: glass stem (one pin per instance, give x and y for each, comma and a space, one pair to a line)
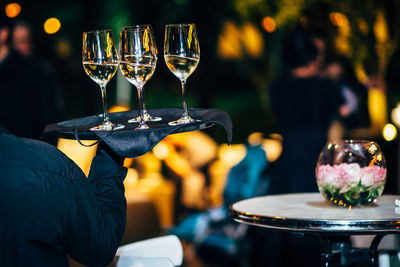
141, 105
185, 112
104, 101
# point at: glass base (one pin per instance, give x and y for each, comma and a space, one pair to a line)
107, 126
147, 117
142, 126
185, 119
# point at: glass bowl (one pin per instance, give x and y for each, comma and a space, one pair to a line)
351, 172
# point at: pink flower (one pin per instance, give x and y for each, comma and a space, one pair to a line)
327, 174
346, 176
379, 173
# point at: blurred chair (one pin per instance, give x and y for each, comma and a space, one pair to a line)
143, 262
164, 251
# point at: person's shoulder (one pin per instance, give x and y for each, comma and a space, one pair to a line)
35, 154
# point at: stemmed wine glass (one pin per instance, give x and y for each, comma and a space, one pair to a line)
100, 62
138, 61
147, 116
181, 54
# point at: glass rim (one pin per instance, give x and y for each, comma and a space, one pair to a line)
136, 29
97, 31
137, 26
352, 142
179, 25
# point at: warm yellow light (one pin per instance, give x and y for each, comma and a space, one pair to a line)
252, 39
118, 108
338, 19
148, 163
12, 10
52, 25
389, 132
268, 24
273, 149
132, 176
255, 139
377, 107
229, 42
63, 48
363, 26
361, 74
395, 115
161, 150
232, 154
380, 27
81, 155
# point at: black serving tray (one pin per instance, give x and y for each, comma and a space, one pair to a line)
129, 142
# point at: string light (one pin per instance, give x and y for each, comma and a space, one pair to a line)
389, 132
269, 24
52, 25
12, 10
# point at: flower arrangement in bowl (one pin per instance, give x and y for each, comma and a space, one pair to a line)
351, 172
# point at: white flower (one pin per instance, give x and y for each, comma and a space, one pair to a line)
352, 172
368, 179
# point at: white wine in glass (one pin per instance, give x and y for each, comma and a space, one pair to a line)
147, 116
182, 55
100, 62
137, 62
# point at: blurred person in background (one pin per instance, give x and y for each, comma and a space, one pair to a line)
28, 91
21, 38
355, 108
304, 105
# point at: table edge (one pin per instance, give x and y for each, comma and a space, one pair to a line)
316, 225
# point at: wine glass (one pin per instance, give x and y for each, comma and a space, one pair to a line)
100, 62
138, 61
181, 54
147, 116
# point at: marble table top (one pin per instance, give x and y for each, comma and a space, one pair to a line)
310, 212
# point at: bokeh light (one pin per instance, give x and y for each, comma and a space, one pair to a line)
252, 39
363, 26
395, 115
229, 46
269, 24
12, 10
389, 132
338, 19
52, 25
64, 49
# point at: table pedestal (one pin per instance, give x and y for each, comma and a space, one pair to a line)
338, 251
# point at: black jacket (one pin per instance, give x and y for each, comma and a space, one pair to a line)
49, 209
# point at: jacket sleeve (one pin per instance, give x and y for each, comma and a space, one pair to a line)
96, 213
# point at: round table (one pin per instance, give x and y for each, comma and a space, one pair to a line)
311, 213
